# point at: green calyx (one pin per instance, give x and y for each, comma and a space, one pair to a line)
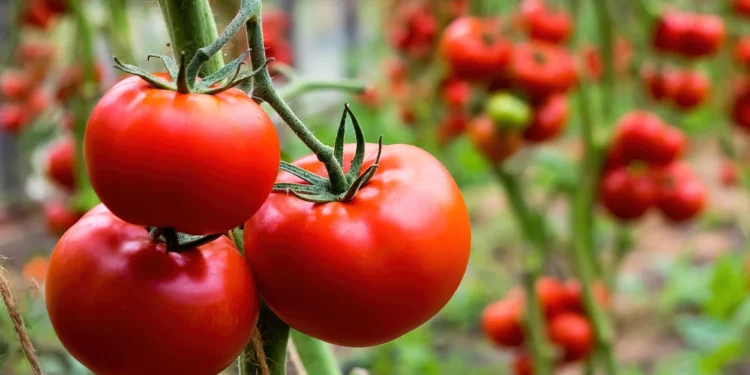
341, 188
508, 111
185, 81
178, 242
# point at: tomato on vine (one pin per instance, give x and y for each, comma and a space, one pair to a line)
60, 163
122, 304
542, 69
475, 49
59, 217
493, 142
626, 194
502, 322
574, 335
681, 195
549, 119
693, 89
642, 136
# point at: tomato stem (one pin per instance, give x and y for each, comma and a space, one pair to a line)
606, 41
316, 356
120, 28
191, 26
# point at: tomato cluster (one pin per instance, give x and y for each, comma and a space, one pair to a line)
42, 13
691, 35
686, 89
542, 23
643, 170
568, 326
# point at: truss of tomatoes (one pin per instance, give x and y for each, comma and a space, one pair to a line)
643, 170
568, 326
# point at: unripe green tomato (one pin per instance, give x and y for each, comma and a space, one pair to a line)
508, 111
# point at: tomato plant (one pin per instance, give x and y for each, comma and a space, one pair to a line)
573, 334
473, 50
627, 195
542, 70
495, 143
121, 303
549, 119
501, 322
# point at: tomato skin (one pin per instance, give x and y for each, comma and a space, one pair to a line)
643, 136
523, 364
742, 52
122, 305
740, 106
363, 272
668, 31
549, 26
627, 196
543, 69
59, 217
548, 121
573, 333
575, 296
37, 14
60, 164
682, 196
493, 142
705, 36
693, 90
474, 50
13, 118
161, 158
741, 7
456, 93
502, 322
661, 85
14, 84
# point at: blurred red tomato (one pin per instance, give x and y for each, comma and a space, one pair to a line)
502, 322
573, 334
742, 7
453, 125
475, 49
742, 51
543, 69
456, 93
662, 83
13, 117
59, 166
626, 194
59, 217
682, 196
35, 51
413, 29
549, 119
547, 25
35, 270
14, 84
523, 365
692, 90
689, 34
740, 105
493, 142
575, 296
728, 175
37, 14
370, 98
643, 136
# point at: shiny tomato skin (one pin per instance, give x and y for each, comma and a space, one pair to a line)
474, 50
59, 217
669, 30
692, 91
122, 305
549, 119
573, 334
682, 196
543, 69
198, 163
60, 164
626, 195
549, 26
363, 272
493, 142
502, 322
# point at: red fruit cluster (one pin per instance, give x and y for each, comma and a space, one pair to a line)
740, 105
686, 89
642, 171
691, 35
275, 28
22, 100
568, 326
42, 13
544, 24
413, 30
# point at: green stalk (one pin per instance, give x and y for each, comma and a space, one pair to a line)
120, 29
533, 233
191, 26
315, 355
606, 41
300, 86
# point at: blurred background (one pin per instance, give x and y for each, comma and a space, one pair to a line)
679, 300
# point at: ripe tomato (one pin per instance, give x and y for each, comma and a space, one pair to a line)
363, 272
493, 142
704, 37
60, 164
59, 217
13, 117
742, 52
413, 29
456, 93
502, 322
740, 105
661, 84
543, 69
670, 28
523, 365
474, 49
627, 195
37, 14
728, 175
642, 136
742, 7
682, 196
161, 158
575, 296
549, 26
552, 296
693, 89
549, 119
574, 335
121, 304
14, 84
275, 24
38, 101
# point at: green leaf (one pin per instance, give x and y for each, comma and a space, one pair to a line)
703, 333
728, 288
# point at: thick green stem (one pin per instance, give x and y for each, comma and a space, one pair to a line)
275, 337
191, 26
120, 29
533, 265
300, 86
263, 89
315, 355
606, 41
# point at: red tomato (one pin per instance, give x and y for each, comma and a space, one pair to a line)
474, 49
122, 305
38, 101
37, 14
456, 93
552, 296
681, 196
669, 30
728, 175
60, 164
742, 52
59, 217
35, 52
627, 195
693, 89
363, 272
502, 322
549, 26
453, 125
549, 119
281, 51
592, 62
574, 335
370, 98
275, 23
543, 69
642, 136
13, 117
493, 142
740, 106
742, 7
523, 365
413, 29
161, 158
661, 85
14, 84
704, 37
575, 296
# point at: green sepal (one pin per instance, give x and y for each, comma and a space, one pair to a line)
304, 175
359, 152
146, 76
169, 63
338, 147
223, 73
